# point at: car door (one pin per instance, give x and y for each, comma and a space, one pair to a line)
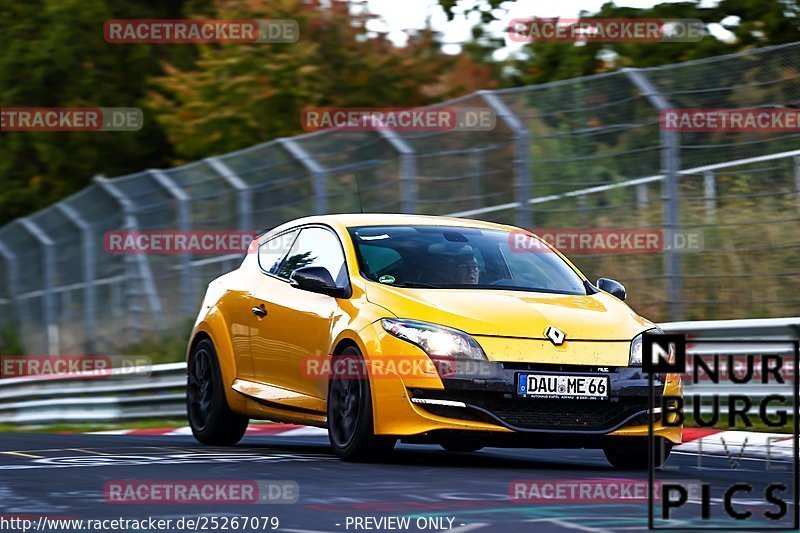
270, 254
293, 338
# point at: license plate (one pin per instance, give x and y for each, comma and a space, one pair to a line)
562, 386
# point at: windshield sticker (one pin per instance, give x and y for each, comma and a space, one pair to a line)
387, 279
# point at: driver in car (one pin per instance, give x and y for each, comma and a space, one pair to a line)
456, 264
467, 271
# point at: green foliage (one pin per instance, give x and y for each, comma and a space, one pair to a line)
168, 347
240, 94
84, 427
488, 9
763, 23
10, 342
54, 55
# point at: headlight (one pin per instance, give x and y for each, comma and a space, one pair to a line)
635, 358
435, 340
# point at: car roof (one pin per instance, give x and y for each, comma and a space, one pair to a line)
350, 220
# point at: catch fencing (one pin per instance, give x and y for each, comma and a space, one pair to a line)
584, 153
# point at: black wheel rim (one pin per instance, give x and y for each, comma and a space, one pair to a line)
345, 406
200, 388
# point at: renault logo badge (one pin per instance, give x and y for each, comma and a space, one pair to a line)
555, 335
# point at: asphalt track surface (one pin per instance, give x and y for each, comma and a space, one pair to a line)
64, 475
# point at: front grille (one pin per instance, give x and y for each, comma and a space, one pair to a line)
551, 367
540, 413
574, 414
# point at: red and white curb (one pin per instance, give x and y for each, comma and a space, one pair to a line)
738, 444
276, 430
734, 444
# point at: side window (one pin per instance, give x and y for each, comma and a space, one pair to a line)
271, 252
316, 247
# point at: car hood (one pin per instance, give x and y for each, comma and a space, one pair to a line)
520, 314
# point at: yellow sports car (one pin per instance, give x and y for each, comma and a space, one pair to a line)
425, 329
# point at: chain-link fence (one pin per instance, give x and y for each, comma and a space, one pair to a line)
580, 153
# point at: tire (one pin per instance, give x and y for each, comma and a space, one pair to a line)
210, 418
460, 446
350, 427
630, 453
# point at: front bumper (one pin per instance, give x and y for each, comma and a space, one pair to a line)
484, 400
467, 404
495, 401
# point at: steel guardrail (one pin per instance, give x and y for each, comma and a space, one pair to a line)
161, 391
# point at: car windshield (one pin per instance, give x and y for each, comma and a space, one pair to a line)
444, 257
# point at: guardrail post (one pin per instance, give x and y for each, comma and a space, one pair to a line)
523, 177
141, 261
184, 225
583, 204
710, 193
49, 306
408, 169
318, 172
244, 197
642, 198
89, 271
670, 161
12, 274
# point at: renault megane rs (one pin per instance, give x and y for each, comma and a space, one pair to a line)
423, 329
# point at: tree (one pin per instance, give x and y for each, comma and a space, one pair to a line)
240, 94
761, 23
54, 55
488, 9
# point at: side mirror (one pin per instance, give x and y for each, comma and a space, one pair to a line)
612, 287
317, 279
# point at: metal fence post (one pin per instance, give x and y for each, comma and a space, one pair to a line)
523, 177
141, 261
320, 184
670, 162
89, 272
49, 306
408, 169
476, 171
244, 197
12, 274
710, 193
797, 178
184, 225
